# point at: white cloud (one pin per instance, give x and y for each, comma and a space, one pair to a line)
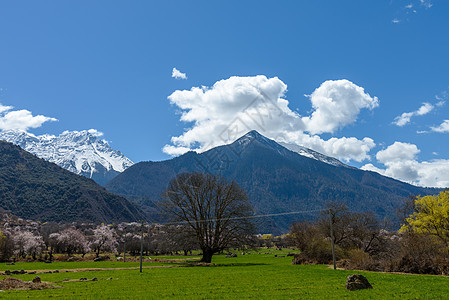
95, 132
373, 168
400, 161
178, 74
5, 108
440, 103
443, 127
20, 119
396, 21
336, 104
234, 106
398, 152
405, 118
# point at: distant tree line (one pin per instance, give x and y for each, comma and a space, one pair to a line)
421, 245
24, 240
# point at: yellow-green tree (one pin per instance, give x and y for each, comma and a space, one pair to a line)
431, 216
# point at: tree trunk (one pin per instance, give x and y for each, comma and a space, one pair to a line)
207, 256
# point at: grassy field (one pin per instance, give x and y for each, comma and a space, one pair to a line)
248, 276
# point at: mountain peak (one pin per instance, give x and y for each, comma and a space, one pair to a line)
254, 135
81, 152
282, 148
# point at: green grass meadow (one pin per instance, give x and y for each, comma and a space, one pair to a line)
248, 276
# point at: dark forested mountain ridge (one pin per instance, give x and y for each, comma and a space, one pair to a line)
34, 188
276, 179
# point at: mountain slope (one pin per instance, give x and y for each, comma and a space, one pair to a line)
313, 154
33, 188
276, 179
81, 152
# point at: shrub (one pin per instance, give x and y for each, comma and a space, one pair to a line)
421, 254
359, 260
318, 251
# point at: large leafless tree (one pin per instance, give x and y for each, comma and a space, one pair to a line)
217, 210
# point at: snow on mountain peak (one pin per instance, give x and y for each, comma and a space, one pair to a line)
82, 152
254, 135
313, 154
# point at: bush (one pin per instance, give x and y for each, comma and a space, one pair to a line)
412, 253
318, 251
420, 254
359, 260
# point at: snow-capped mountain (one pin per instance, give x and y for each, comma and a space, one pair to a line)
81, 152
280, 147
276, 179
313, 154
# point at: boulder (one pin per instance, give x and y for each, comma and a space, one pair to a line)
37, 279
101, 258
357, 282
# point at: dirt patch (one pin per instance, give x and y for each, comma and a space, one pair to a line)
11, 283
98, 269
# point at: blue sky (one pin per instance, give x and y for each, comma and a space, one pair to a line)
107, 65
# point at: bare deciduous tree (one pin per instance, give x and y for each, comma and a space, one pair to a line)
216, 210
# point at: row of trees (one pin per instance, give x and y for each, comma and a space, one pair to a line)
43, 241
20, 241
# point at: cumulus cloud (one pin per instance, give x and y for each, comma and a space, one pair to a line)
20, 119
400, 161
398, 152
232, 107
405, 118
178, 74
443, 127
337, 103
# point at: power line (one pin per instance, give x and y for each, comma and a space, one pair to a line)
246, 217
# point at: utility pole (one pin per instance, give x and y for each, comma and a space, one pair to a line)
124, 249
141, 246
332, 238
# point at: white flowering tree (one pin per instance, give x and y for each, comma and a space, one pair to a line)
71, 240
103, 240
27, 243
